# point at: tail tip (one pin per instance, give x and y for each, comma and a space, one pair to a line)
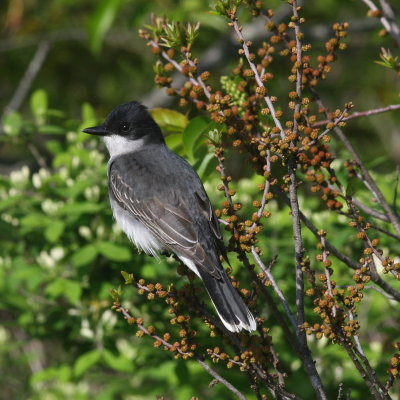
249, 324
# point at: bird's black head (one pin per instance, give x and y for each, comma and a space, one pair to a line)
131, 121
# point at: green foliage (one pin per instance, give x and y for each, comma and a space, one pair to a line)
61, 255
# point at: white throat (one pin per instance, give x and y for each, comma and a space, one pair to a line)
118, 145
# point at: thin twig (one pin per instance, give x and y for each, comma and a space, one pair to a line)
342, 257
370, 211
327, 272
27, 80
359, 114
257, 76
327, 130
367, 178
386, 17
382, 292
211, 371
396, 189
276, 288
36, 154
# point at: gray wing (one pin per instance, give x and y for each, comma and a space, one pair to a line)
186, 224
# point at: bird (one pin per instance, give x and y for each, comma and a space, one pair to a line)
160, 203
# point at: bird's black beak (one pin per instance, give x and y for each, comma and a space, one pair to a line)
97, 130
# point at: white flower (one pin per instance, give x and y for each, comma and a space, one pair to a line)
63, 172
50, 207
37, 181
72, 137
20, 178
100, 231
92, 193
85, 232
85, 330
75, 161
45, 260
44, 173
57, 253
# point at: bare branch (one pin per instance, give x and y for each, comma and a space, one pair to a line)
27, 80
275, 286
257, 76
386, 16
367, 178
211, 371
360, 114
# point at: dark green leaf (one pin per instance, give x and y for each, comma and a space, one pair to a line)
52, 130
80, 208
84, 256
86, 361
118, 363
192, 134
39, 104
12, 123
174, 141
54, 231
61, 287
101, 22
169, 120
114, 252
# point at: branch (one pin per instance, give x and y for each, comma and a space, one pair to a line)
345, 259
387, 18
367, 178
274, 285
327, 130
212, 372
370, 211
360, 114
260, 84
27, 80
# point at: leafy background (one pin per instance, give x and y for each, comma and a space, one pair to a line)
60, 251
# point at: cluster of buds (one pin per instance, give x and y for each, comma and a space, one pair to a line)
394, 368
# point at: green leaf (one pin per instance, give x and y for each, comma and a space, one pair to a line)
54, 231
9, 202
39, 104
174, 141
116, 294
12, 123
84, 256
61, 287
89, 119
169, 120
54, 146
86, 361
36, 220
114, 252
101, 22
205, 167
128, 277
118, 363
61, 373
80, 208
192, 134
181, 371
52, 130
88, 113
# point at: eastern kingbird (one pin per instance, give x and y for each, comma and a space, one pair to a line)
160, 203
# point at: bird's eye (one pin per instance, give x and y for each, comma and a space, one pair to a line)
125, 127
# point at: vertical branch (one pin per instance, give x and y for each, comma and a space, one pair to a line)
26, 81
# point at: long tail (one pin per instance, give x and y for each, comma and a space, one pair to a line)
229, 305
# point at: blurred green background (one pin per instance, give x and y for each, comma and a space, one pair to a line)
61, 253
